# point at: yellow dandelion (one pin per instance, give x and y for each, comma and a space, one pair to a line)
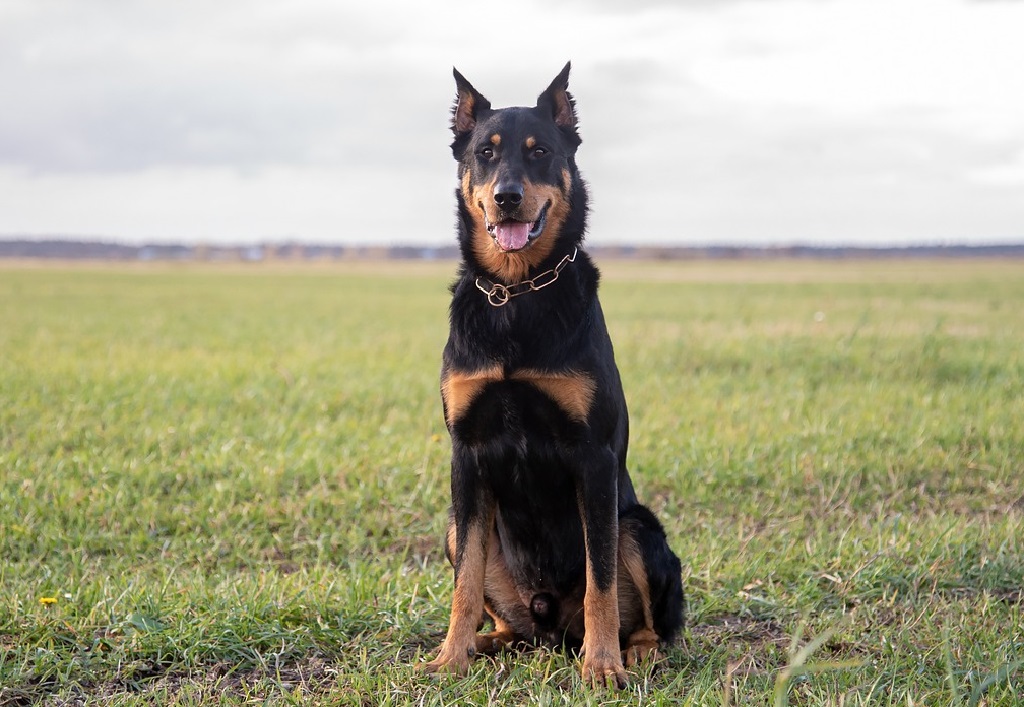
45, 601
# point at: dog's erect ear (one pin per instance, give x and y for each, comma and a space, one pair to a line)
558, 99
468, 104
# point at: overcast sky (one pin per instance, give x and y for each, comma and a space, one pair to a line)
710, 121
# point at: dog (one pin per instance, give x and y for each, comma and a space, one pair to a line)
545, 532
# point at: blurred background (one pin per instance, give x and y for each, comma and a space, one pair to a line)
864, 122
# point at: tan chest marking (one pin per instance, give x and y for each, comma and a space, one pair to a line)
459, 388
572, 392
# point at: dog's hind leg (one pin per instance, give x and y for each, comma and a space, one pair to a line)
503, 603
650, 587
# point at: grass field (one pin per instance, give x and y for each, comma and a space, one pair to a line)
227, 485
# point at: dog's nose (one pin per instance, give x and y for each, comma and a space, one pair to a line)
508, 196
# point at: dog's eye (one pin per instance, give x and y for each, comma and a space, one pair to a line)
539, 151
486, 152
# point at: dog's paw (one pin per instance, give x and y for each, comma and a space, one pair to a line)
604, 671
640, 653
642, 647
494, 642
449, 663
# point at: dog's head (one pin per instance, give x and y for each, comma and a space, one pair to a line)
516, 171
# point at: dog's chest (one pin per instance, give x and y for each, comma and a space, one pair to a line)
501, 399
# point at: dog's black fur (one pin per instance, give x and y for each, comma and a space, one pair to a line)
545, 534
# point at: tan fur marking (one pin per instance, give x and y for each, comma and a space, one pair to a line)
463, 119
468, 593
601, 656
635, 602
502, 600
641, 646
499, 639
460, 388
500, 588
531, 142
631, 560
573, 392
495, 139
449, 539
466, 194
515, 267
601, 613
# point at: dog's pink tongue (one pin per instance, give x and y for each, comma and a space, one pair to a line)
511, 235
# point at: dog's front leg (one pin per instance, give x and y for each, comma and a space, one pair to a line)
472, 517
599, 511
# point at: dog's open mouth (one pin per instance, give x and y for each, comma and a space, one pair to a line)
511, 235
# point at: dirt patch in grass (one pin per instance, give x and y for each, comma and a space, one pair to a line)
754, 644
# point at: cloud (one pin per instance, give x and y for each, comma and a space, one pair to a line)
1008, 174
739, 120
938, 62
223, 205
140, 88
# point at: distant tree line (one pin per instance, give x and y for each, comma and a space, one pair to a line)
61, 249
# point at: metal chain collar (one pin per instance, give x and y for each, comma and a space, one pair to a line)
499, 295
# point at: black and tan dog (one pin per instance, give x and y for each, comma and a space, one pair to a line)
545, 534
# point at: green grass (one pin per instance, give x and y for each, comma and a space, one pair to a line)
233, 483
